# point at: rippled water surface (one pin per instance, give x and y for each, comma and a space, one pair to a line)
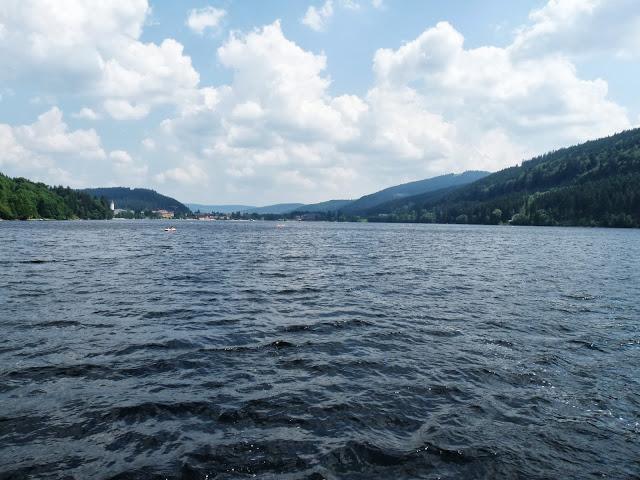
242, 350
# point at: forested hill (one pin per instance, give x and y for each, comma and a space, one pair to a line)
405, 190
21, 199
593, 184
139, 199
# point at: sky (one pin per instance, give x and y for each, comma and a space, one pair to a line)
260, 102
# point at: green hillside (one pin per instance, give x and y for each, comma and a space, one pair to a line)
324, 207
139, 199
593, 184
21, 199
405, 190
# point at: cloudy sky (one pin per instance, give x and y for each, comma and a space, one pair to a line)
253, 101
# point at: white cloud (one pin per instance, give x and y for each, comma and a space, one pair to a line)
49, 134
123, 110
276, 132
127, 169
190, 174
379, 4
316, 18
86, 113
202, 18
149, 144
540, 102
350, 4
47, 150
582, 27
93, 48
121, 157
435, 107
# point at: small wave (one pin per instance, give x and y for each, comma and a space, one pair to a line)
58, 323
43, 373
142, 412
363, 457
296, 291
169, 345
321, 327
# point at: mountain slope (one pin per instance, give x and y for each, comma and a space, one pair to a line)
277, 209
22, 199
139, 199
324, 207
368, 202
218, 208
596, 183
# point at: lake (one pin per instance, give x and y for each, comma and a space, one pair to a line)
318, 350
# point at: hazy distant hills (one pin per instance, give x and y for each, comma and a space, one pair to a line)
412, 188
278, 209
351, 207
139, 199
324, 207
596, 183
198, 207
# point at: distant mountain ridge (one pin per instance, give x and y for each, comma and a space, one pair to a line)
351, 207
202, 208
277, 209
412, 188
139, 199
596, 183
324, 207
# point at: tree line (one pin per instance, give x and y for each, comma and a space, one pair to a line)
21, 199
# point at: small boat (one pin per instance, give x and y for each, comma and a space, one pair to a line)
170, 229
280, 225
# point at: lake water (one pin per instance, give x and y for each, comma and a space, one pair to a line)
318, 350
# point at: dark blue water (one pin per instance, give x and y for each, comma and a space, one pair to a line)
242, 350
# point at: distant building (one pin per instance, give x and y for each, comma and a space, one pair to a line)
163, 213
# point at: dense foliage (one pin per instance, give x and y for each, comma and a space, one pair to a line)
593, 184
139, 199
21, 199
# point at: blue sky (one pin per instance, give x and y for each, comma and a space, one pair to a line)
262, 102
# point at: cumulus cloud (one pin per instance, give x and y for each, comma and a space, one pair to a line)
47, 149
93, 48
190, 174
316, 17
125, 168
540, 101
582, 27
123, 110
435, 107
276, 131
49, 134
86, 113
200, 19
149, 144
